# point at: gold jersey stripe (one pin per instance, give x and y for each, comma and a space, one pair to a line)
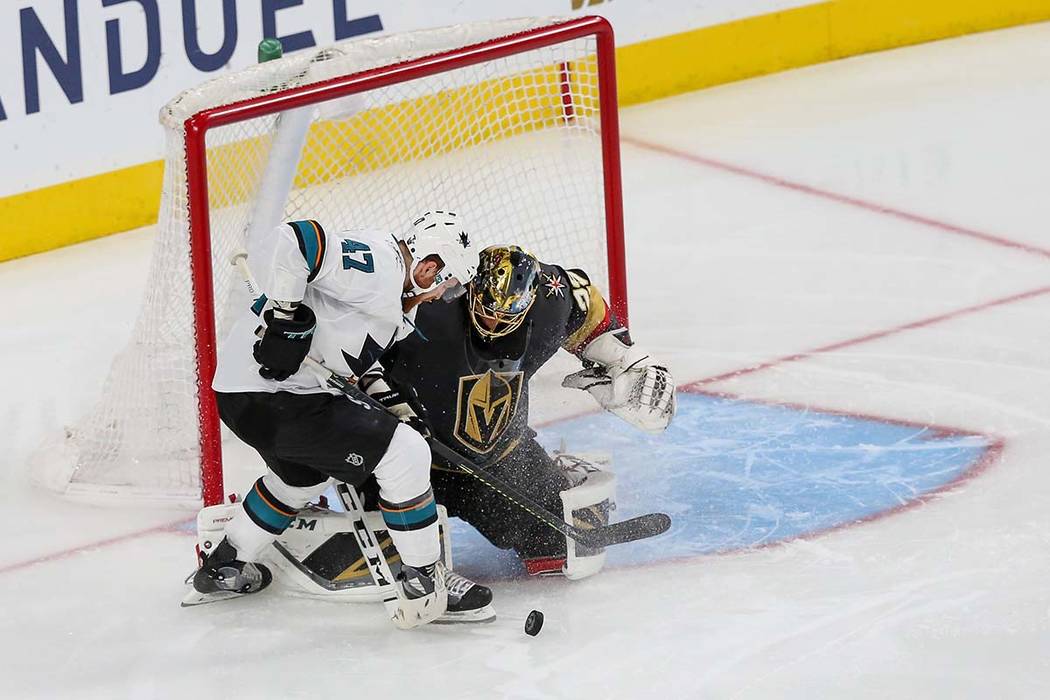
596, 312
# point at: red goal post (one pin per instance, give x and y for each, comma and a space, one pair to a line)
517, 131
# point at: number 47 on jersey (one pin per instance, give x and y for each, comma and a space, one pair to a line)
356, 256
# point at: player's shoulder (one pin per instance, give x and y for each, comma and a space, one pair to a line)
373, 236
558, 283
377, 240
362, 249
552, 277
569, 299
553, 289
343, 260
319, 233
441, 321
564, 272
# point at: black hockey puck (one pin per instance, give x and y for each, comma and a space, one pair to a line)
534, 623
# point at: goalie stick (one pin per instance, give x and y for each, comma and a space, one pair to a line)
637, 528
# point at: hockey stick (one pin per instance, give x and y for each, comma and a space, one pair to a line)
366, 538
637, 528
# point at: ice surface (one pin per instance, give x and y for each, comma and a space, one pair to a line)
738, 475
830, 209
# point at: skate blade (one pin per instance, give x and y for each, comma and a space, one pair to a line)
485, 614
194, 597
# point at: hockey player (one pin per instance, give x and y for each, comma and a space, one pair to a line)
472, 372
341, 298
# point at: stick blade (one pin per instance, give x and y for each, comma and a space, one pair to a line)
640, 528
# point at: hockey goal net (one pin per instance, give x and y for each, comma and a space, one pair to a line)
511, 124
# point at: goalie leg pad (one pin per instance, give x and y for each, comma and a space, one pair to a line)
318, 555
250, 539
211, 527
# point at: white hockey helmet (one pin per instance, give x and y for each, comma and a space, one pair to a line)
441, 233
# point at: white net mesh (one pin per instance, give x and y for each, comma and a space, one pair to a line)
511, 144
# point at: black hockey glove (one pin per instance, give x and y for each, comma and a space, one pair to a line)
285, 344
402, 402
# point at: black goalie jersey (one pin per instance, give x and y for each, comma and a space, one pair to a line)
474, 390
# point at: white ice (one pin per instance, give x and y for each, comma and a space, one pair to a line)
732, 263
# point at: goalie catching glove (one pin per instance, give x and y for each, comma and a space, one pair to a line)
626, 383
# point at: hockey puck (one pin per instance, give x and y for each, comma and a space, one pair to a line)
534, 623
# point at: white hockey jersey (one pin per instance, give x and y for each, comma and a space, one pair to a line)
352, 280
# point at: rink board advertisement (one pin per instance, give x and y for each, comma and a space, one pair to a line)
106, 67
85, 80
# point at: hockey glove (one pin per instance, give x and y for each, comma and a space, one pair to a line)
642, 396
285, 344
402, 402
626, 382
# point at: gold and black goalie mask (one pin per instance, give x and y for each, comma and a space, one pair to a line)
503, 290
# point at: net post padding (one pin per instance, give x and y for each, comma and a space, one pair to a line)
511, 123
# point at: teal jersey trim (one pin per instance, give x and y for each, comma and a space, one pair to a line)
311, 239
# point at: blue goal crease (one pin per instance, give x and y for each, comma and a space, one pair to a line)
735, 475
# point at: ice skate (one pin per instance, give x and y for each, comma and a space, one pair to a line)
223, 576
467, 601
421, 595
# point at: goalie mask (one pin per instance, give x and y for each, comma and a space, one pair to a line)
440, 233
503, 290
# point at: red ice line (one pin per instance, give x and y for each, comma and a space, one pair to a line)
835, 197
873, 336
991, 455
66, 553
862, 204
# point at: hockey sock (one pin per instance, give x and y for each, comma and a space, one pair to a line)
406, 499
413, 526
267, 511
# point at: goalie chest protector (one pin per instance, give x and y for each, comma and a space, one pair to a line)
476, 392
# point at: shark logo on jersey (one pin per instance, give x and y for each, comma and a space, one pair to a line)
370, 352
485, 406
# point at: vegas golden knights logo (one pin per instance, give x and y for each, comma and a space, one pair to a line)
485, 405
